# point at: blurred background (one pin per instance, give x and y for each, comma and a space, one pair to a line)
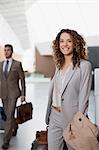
31, 26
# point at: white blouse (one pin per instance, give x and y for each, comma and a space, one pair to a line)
58, 86
9, 66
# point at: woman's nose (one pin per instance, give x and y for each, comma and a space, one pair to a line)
65, 43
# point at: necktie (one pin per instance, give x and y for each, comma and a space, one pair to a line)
6, 68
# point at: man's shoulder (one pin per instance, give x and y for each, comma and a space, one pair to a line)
16, 61
1, 62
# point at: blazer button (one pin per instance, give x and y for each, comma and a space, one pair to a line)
62, 99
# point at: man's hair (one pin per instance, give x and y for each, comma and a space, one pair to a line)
9, 45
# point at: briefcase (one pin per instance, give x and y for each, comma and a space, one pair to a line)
24, 112
40, 143
41, 137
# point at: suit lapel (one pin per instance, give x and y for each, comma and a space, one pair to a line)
2, 72
2, 66
11, 67
68, 78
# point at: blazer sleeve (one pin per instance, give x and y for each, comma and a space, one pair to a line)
85, 86
22, 80
48, 111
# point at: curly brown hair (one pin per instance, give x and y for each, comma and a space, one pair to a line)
79, 50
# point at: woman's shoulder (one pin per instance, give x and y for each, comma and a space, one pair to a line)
85, 66
85, 62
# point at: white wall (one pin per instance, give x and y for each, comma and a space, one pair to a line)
28, 60
8, 36
46, 18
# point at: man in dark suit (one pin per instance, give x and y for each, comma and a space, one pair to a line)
11, 72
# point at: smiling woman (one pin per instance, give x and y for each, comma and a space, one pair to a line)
68, 45
70, 87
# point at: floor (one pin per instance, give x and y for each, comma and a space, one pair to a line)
37, 93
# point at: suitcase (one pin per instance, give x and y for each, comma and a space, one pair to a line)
40, 143
36, 146
24, 112
41, 137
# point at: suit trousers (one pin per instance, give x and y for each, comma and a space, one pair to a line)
55, 131
10, 123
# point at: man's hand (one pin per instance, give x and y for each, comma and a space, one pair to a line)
22, 98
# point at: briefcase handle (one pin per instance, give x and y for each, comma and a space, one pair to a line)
24, 102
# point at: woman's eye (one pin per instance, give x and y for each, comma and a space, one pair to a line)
61, 41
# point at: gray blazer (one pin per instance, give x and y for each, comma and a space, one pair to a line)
9, 87
75, 92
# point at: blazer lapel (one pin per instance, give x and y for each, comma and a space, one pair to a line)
11, 67
2, 72
2, 66
68, 78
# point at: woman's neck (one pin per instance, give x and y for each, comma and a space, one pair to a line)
67, 63
68, 60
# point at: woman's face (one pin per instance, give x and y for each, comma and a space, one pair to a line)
66, 44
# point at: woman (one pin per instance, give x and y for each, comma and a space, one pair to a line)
70, 87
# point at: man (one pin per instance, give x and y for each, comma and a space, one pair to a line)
11, 72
